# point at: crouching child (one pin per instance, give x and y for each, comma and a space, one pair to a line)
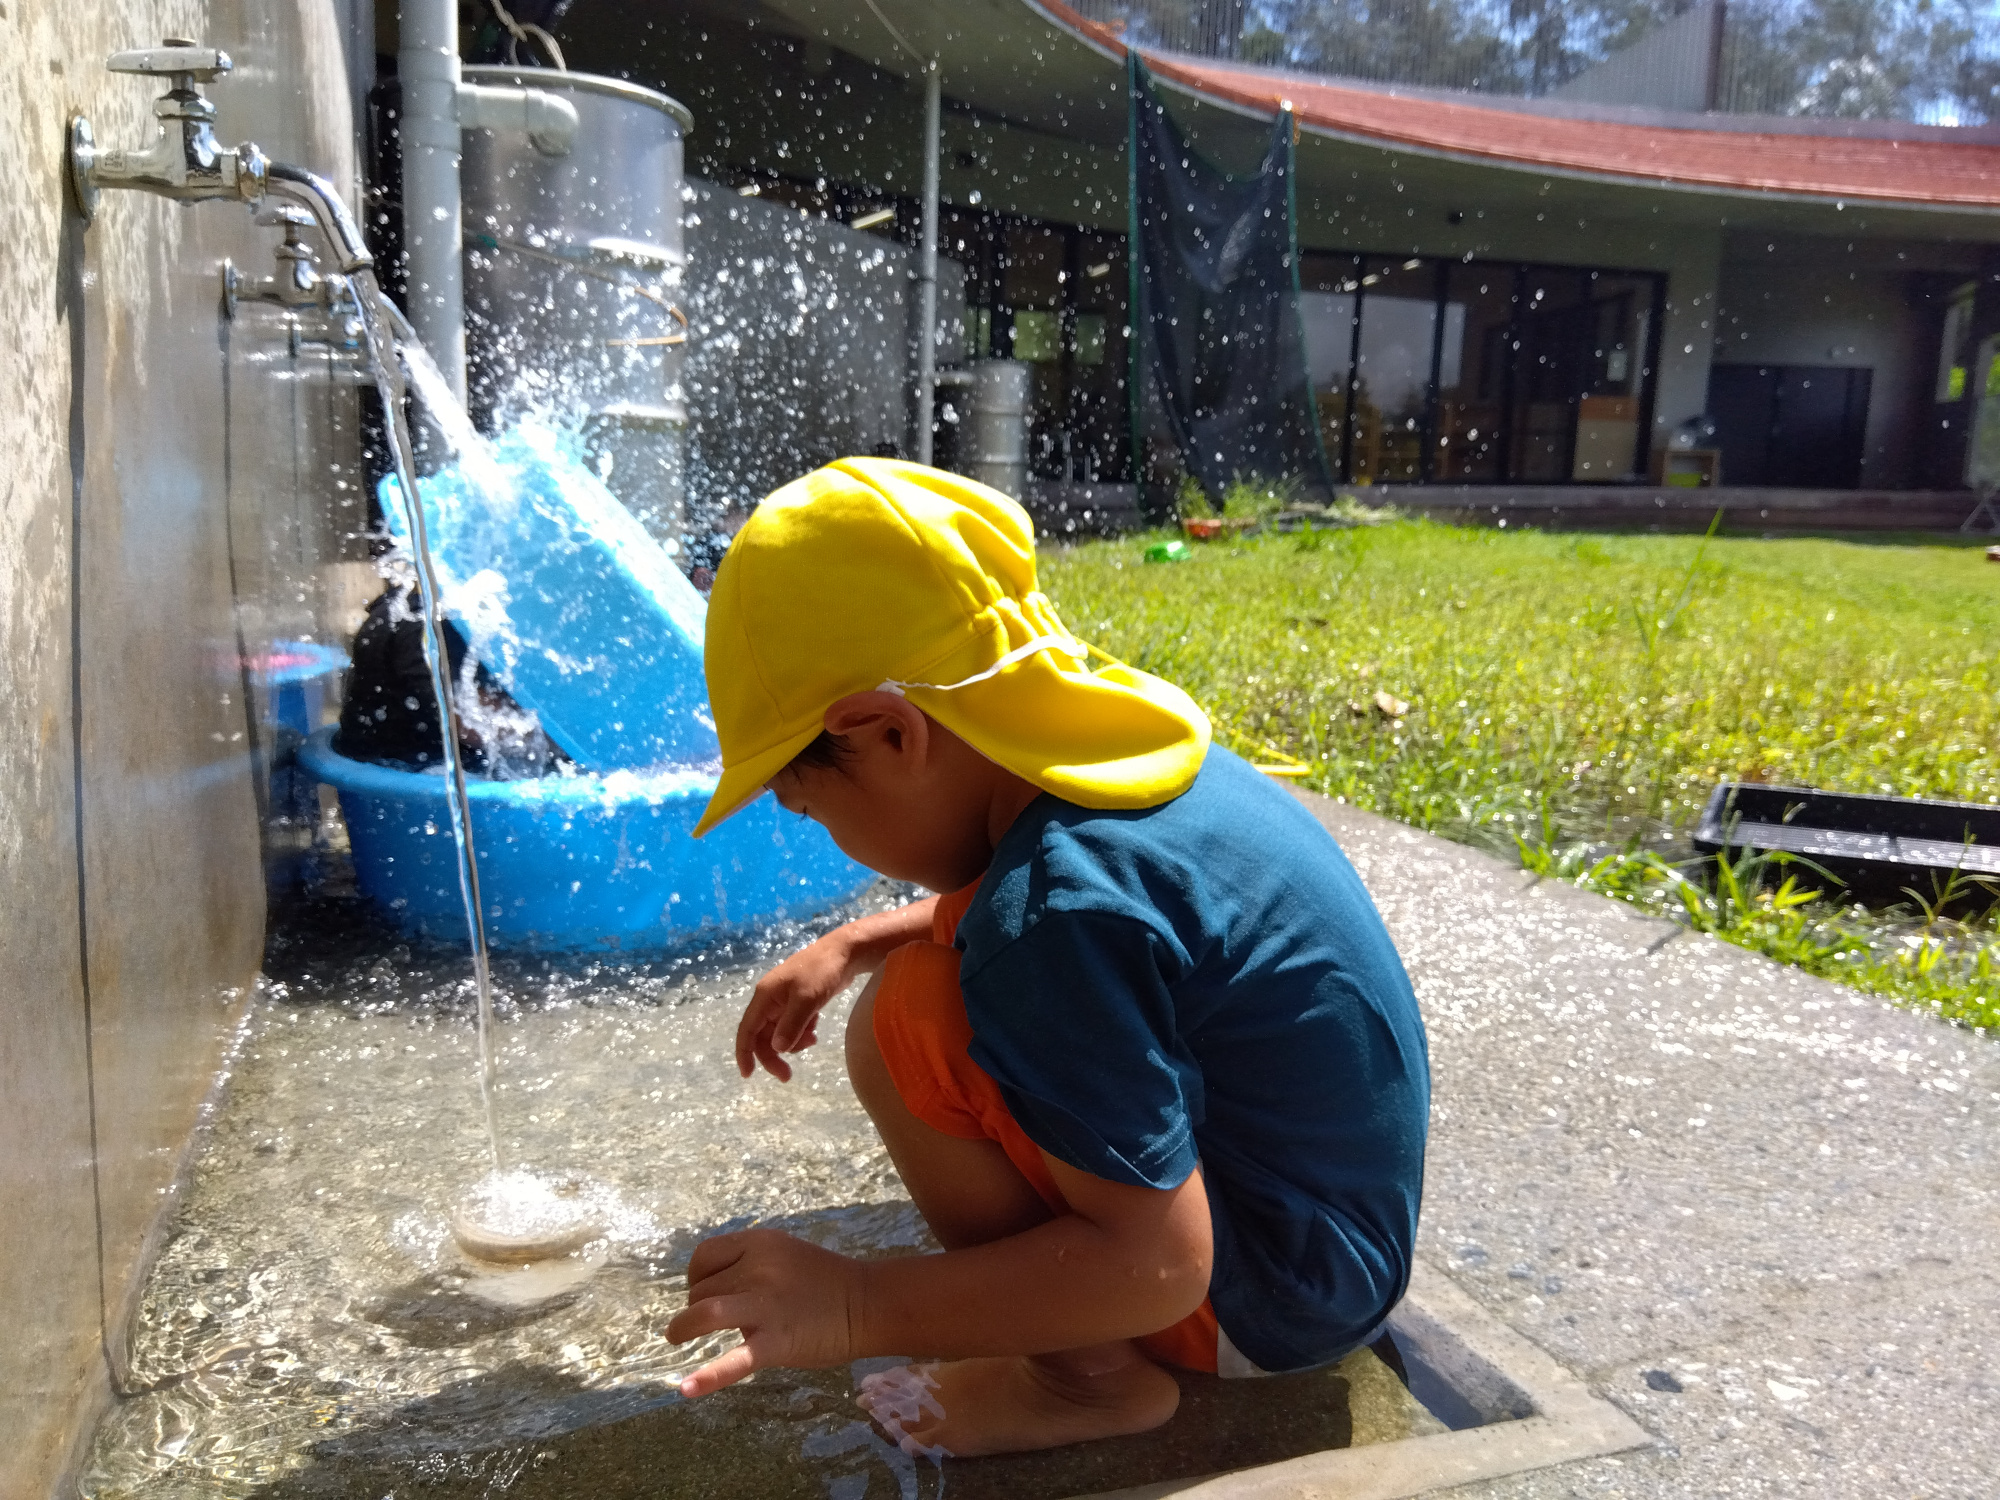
1147, 1063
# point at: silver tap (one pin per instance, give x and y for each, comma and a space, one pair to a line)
187, 165
297, 287
319, 198
297, 282
184, 161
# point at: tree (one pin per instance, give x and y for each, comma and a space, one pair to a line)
1932, 60
1862, 59
1440, 43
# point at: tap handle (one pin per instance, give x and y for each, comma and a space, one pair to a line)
292, 218
177, 58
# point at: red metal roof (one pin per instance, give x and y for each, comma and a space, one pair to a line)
1820, 166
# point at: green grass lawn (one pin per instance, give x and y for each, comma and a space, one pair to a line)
1532, 693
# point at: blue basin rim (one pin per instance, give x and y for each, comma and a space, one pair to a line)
580, 863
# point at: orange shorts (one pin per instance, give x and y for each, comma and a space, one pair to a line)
921, 1027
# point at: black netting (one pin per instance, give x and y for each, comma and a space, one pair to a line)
1219, 381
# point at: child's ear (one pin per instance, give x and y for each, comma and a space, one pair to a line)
889, 720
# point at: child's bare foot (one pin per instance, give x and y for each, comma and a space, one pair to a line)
971, 1407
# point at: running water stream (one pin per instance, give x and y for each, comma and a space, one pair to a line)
394, 353
511, 1216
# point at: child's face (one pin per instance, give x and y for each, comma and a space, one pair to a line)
871, 828
910, 799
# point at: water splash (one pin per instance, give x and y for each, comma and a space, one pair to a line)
899, 1398
311, 1309
519, 1216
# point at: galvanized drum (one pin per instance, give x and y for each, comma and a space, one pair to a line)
1000, 401
573, 273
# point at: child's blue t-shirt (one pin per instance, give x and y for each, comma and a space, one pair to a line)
1208, 981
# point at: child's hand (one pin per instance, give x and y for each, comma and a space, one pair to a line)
784, 1009
793, 1302
783, 1012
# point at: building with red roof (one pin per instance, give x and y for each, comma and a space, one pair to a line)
1523, 295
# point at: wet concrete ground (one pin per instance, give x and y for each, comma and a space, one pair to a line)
1753, 1209
310, 1331
744, 1444
1756, 1210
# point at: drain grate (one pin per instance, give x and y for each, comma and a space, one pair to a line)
1511, 1407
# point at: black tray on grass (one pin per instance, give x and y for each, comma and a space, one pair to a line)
1876, 845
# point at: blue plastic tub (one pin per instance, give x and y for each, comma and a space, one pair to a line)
581, 864
567, 600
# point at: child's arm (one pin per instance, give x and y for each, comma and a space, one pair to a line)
785, 1006
1126, 1261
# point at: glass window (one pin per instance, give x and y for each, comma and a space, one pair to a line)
1095, 416
1328, 319
1390, 420
1472, 373
1477, 371
1037, 337
1091, 337
1328, 284
1031, 274
1579, 344
1957, 340
1610, 402
1548, 337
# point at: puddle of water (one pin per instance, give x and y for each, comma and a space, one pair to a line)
311, 1329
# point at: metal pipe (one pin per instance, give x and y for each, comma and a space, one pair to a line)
547, 120
433, 232
320, 198
437, 105
927, 264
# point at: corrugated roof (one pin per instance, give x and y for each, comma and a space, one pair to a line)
1860, 169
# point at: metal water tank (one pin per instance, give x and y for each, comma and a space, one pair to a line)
1001, 389
573, 271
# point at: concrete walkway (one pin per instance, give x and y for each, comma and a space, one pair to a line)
1758, 1211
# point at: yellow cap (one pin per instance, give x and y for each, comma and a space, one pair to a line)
873, 573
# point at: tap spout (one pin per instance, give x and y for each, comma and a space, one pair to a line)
183, 161
323, 202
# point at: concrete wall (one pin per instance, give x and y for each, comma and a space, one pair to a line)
164, 467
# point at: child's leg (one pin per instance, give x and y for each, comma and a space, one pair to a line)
964, 1186
972, 1188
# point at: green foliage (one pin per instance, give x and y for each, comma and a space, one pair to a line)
1244, 499
1255, 499
1445, 43
1572, 689
1191, 500
1873, 59
1861, 59
1917, 955
1347, 507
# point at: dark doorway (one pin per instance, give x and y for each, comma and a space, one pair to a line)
1790, 426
